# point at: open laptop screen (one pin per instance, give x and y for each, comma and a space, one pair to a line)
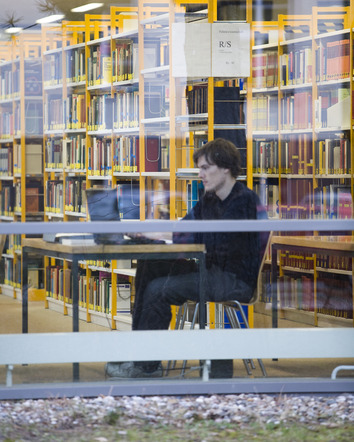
103, 205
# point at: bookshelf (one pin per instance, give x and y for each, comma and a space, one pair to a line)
21, 180
113, 112
302, 168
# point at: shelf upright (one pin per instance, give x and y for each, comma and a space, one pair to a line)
99, 122
74, 140
27, 138
332, 125
154, 109
54, 124
74, 137
7, 148
125, 92
53, 134
263, 118
296, 132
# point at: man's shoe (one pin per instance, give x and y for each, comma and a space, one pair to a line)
128, 370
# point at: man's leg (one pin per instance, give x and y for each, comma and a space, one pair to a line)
153, 285
148, 271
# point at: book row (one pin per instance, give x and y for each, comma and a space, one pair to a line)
296, 111
98, 294
296, 67
294, 291
333, 156
12, 272
333, 296
265, 70
333, 60
265, 113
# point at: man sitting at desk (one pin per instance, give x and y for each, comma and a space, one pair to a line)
232, 258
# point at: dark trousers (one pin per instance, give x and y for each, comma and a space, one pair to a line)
162, 283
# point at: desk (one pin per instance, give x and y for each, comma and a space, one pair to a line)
75, 253
339, 246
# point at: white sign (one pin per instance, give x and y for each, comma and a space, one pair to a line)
230, 50
219, 49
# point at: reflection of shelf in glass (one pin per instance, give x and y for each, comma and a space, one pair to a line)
126, 82
266, 175
328, 35
159, 175
99, 177
185, 173
58, 132
295, 40
126, 131
191, 118
99, 86
291, 87
331, 129
76, 214
76, 84
125, 35
264, 133
57, 170
295, 131
155, 120
103, 132
52, 87
230, 126
126, 174
297, 176
98, 41
126, 272
332, 82
75, 131
332, 176
155, 71
162, 19
73, 172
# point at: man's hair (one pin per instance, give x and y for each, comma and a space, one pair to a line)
222, 153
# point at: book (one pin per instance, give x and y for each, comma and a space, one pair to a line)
34, 163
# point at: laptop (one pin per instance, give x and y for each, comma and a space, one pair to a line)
103, 205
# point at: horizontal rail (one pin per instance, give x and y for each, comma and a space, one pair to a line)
39, 348
177, 226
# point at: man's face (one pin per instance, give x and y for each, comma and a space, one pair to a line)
213, 177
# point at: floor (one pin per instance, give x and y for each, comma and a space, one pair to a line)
44, 320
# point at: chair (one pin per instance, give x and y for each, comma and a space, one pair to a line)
230, 308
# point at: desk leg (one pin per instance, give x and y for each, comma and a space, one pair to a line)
202, 278
75, 286
24, 291
274, 289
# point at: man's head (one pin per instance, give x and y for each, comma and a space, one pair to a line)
219, 166
222, 153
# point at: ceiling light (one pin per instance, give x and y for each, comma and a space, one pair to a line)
87, 7
13, 30
50, 18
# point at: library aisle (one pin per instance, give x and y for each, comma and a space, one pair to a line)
42, 320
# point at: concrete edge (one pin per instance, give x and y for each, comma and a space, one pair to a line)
178, 387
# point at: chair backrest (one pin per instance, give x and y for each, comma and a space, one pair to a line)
258, 289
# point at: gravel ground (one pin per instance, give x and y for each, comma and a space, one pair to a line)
170, 410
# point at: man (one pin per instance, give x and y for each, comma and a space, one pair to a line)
232, 258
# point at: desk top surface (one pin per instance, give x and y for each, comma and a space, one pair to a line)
40, 244
340, 243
